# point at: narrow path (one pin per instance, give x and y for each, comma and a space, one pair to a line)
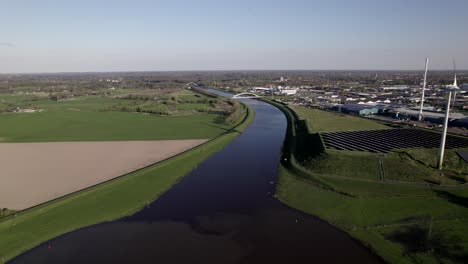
382, 171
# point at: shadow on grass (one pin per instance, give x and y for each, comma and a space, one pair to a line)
220, 119
458, 200
456, 178
224, 128
419, 240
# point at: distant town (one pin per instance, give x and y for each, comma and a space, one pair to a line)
387, 96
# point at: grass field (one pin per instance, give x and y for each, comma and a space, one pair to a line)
346, 163
428, 157
320, 121
105, 202
402, 222
83, 119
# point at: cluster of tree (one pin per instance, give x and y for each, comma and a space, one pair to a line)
60, 96
6, 107
202, 100
139, 109
171, 99
4, 212
143, 97
152, 111
235, 112
203, 92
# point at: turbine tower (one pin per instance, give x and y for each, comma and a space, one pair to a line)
450, 89
423, 90
453, 103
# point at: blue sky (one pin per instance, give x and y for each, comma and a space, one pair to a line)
60, 36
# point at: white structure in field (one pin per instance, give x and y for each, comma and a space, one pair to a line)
450, 89
420, 117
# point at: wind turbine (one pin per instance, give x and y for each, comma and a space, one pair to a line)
423, 90
450, 88
455, 92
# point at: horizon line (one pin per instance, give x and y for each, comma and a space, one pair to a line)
238, 70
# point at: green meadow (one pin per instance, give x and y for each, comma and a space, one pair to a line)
88, 118
320, 121
402, 224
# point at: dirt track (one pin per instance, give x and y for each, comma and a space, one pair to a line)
33, 173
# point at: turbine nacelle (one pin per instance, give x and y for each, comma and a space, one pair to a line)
453, 87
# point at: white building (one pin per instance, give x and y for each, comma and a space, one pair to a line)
288, 91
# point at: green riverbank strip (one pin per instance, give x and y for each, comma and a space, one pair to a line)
402, 223
108, 201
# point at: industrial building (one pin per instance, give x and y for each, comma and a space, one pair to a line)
357, 109
463, 122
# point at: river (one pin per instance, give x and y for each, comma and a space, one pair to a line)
224, 211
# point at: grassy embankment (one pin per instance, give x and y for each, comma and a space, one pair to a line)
403, 223
320, 121
107, 201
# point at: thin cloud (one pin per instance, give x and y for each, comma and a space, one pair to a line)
6, 44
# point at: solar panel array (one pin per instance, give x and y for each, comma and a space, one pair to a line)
463, 155
385, 140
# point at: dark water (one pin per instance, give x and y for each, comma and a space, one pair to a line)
222, 212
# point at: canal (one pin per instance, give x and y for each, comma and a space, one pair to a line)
224, 211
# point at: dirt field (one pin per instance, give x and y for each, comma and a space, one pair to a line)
33, 173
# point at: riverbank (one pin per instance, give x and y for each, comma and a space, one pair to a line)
108, 201
401, 223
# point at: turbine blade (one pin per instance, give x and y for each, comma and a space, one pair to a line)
455, 74
425, 73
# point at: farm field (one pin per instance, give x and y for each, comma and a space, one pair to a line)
59, 168
392, 202
91, 118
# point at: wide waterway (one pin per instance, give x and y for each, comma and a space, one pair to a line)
224, 211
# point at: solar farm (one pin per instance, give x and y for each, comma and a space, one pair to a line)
385, 140
380, 182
